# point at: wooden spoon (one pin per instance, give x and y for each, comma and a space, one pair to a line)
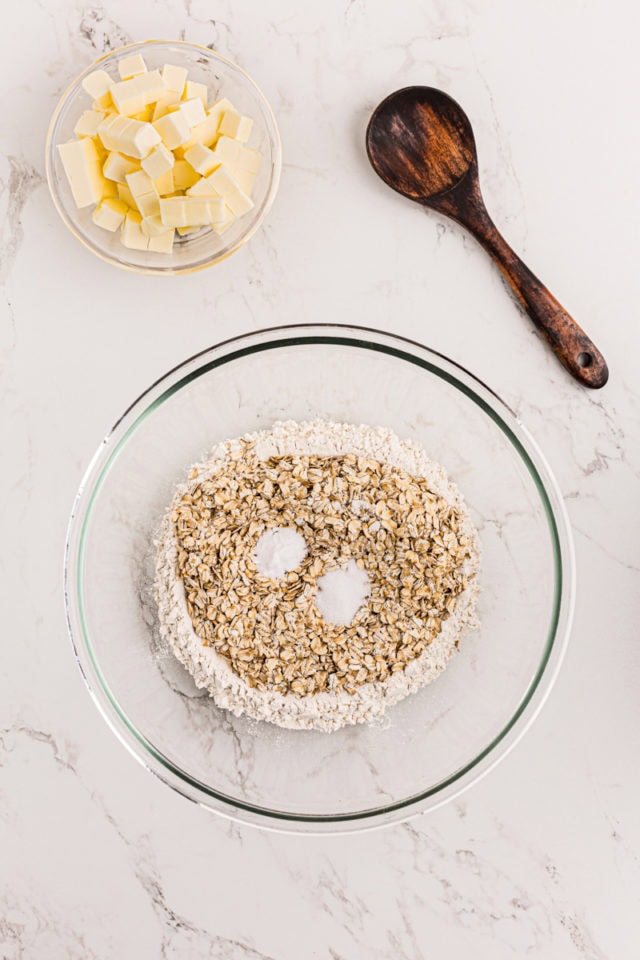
420, 142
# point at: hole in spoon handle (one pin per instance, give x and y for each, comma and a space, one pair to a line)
571, 344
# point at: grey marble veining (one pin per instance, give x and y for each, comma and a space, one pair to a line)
542, 858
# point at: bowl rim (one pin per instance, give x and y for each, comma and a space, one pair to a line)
147, 270
547, 488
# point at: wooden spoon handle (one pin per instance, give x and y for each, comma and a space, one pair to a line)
571, 344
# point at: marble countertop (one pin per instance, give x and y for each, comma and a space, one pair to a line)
540, 859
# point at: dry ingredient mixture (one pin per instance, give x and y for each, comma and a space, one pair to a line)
301, 647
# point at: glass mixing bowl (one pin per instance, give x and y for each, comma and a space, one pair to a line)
194, 251
432, 745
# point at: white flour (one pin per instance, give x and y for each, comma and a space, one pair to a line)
321, 711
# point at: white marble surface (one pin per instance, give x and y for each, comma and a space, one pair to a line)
541, 859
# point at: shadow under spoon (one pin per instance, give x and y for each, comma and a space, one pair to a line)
420, 142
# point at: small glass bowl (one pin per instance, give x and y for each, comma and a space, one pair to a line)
430, 746
195, 251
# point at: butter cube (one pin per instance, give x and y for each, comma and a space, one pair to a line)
145, 115
97, 84
166, 104
228, 152
82, 167
250, 160
132, 235
221, 183
190, 211
173, 212
207, 131
144, 193
132, 66
104, 104
173, 128
184, 176
140, 183
201, 158
165, 184
109, 189
87, 125
110, 214
193, 111
126, 196
131, 137
220, 107
116, 166
238, 202
245, 179
153, 226
148, 204
163, 243
132, 96
236, 126
202, 188
205, 211
158, 162
192, 89
222, 225
174, 77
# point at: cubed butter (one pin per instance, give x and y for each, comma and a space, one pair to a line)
224, 224
131, 96
250, 160
110, 214
162, 243
158, 162
132, 66
193, 111
201, 159
236, 126
219, 107
132, 234
202, 188
145, 115
165, 184
173, 129
245, 179
131, 137
184, 176
153, 226
228, 151
193, 89
166, 104
174, 78
191, 211
221, 183
84, 174
126, 196
87, 125
140, 183
104, 104
97, 84
116, 166
173, 211
155, 160
144, 193
110, 189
